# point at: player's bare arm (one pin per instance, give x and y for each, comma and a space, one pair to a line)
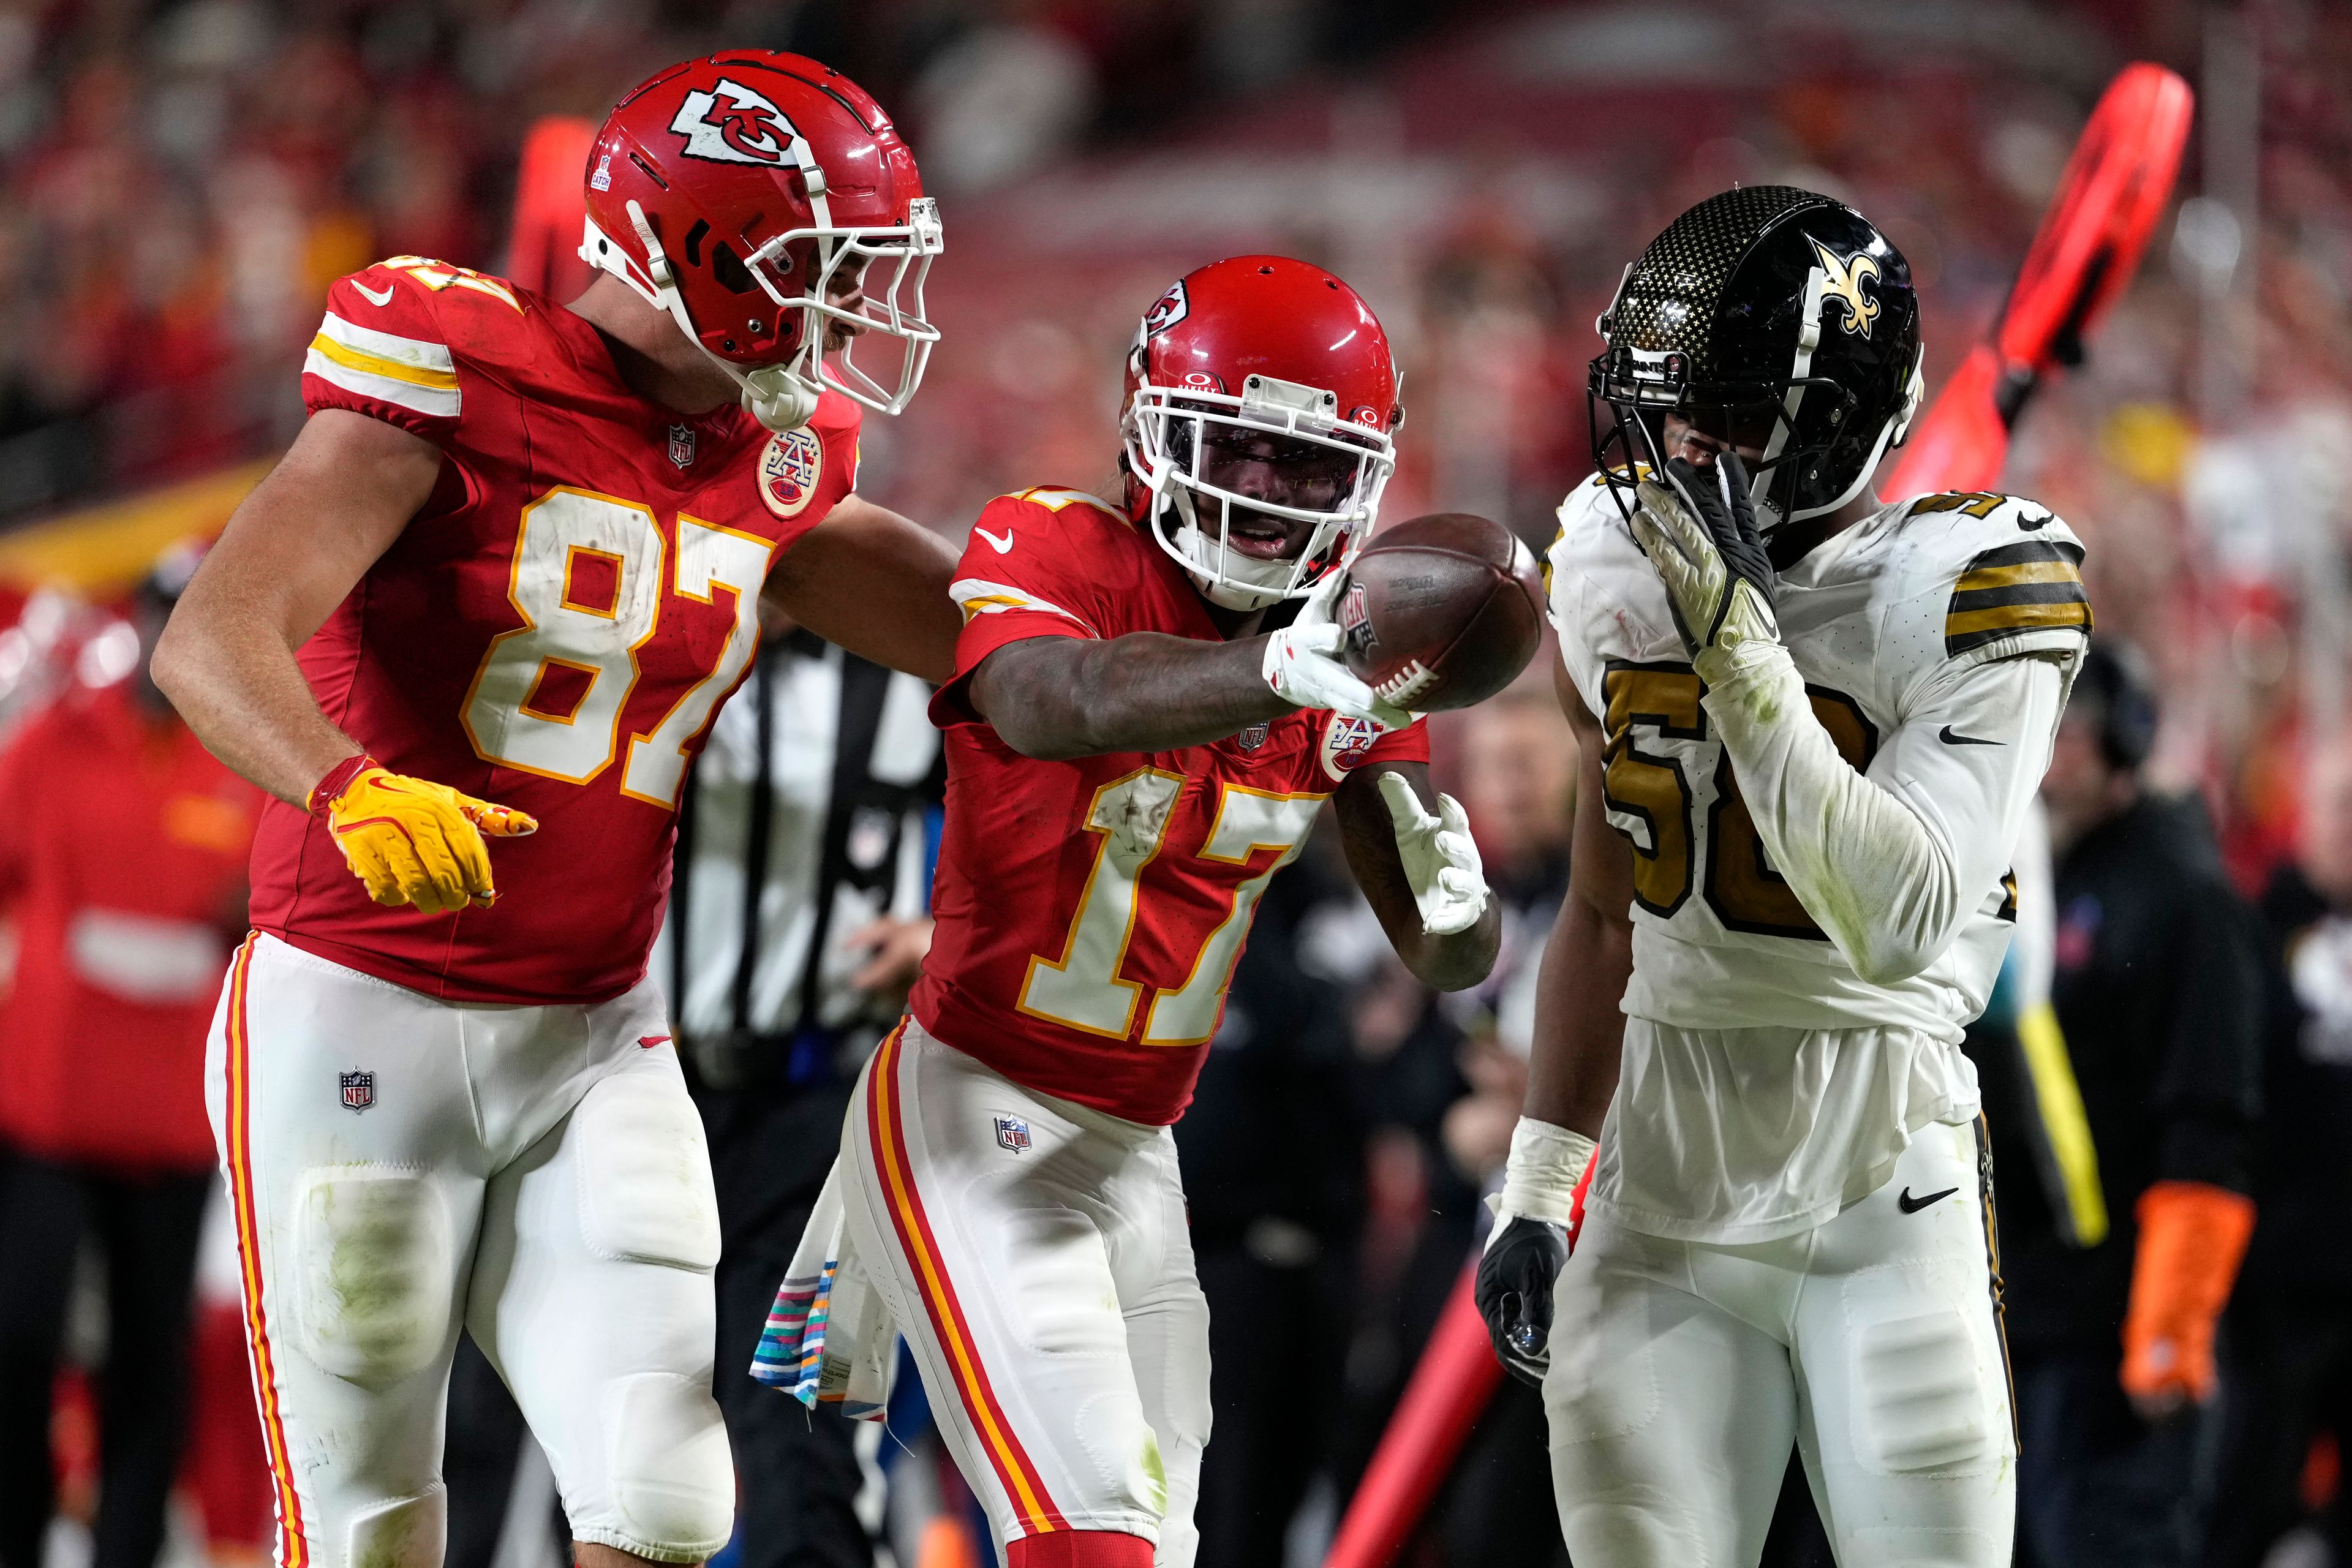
291, 552
876, 583
1573, 1057
1384, 808
1056, 697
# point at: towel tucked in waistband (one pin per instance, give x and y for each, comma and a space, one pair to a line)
830, 1336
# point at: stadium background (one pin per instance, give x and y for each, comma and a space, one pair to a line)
179, 183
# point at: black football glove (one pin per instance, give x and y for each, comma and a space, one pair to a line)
1698, 529
1515, 1277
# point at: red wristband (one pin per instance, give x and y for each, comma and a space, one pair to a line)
339, 779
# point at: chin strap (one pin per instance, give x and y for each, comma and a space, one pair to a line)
777, 396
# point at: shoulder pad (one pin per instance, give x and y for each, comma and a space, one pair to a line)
2007, 570
381, 348
434, 278
2030, 586
1050, 499
1588, 507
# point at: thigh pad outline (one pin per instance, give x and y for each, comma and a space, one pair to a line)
375, 1271
645, 1192
1066, 1301
1923, 1395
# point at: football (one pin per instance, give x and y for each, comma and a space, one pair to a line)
1442, 611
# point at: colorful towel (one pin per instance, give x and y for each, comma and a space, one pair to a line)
829, 1335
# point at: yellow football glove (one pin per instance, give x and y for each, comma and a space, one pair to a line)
412, 841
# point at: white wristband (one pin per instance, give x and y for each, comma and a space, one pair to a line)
1546, 1163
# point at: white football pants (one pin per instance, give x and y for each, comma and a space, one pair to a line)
1036, 1256
401, 1167
1681, 1371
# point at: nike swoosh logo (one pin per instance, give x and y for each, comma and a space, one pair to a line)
1951, 738
383, 299
1910, 1204
1001, 546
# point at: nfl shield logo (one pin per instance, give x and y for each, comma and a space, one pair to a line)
1251, 739
1012, 1133
681, 445
358, 1091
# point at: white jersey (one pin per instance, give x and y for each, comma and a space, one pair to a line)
1936, 640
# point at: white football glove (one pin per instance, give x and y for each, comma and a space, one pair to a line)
1699, 532
1303, 664
1440, 859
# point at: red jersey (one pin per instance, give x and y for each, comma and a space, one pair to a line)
123, 851
553, 631
1090, 912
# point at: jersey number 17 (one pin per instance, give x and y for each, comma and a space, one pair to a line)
1083, 988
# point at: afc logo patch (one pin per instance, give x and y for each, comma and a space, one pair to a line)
789, 470
1012, 1133
1346, 744
359, 1089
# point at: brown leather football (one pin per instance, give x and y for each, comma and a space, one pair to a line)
1442, 611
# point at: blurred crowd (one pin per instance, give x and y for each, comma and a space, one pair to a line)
179, 183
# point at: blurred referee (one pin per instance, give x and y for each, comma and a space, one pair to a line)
797, 920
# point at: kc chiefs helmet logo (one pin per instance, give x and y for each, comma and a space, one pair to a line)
1166, 310
733, 124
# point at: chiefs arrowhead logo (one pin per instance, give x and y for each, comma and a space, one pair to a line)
733, 124
1166, 310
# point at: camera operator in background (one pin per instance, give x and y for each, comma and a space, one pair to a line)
122, 856
2288, 1350
2157, 989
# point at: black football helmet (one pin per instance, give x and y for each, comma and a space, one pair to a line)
1770, 318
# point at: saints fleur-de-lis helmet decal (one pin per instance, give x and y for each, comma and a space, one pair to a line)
1777, 320
1842, 277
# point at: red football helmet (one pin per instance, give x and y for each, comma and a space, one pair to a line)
747, 194
1259, 365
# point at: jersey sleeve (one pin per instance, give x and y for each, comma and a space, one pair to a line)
1409, 744
1987, 578
1027, 573
1036, 566
1893, 863
381, 351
